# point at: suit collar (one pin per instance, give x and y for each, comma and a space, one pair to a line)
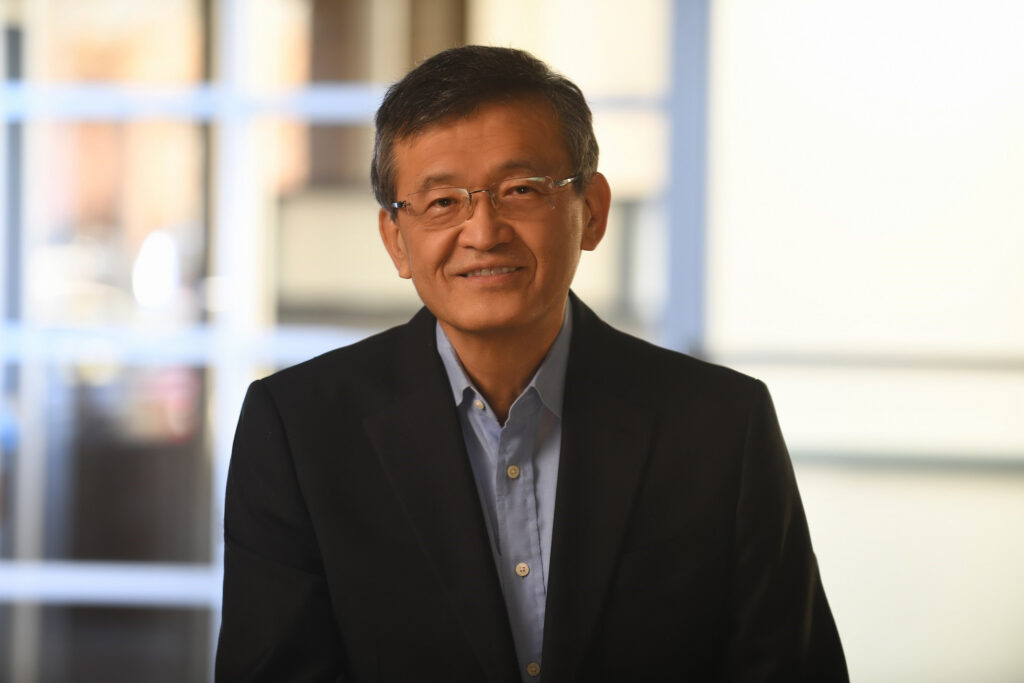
605, 444
420, 447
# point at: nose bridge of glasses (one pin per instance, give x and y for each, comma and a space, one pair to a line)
470, 206
489, 191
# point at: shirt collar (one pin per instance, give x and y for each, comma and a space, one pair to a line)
549, 380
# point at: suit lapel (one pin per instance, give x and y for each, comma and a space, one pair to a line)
420, 446
605, 443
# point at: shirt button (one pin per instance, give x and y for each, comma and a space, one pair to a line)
522, 569
478, 404
533, 669
512, 471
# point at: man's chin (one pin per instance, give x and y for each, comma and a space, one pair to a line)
484, 319
484, 325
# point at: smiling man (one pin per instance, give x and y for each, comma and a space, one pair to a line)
505, 488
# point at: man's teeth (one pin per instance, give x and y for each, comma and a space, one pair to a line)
489, 271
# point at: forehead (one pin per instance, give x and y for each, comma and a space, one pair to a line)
492, 141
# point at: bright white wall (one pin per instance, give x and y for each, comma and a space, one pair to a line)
866, 259
922, 570
866, 175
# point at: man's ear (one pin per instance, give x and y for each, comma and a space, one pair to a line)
598, 200
394, 243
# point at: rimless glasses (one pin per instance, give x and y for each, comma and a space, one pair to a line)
512, 198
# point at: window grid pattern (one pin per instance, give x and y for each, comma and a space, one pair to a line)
233, 343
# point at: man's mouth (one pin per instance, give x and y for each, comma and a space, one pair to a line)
489, 271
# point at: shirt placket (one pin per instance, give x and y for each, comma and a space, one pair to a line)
522, 567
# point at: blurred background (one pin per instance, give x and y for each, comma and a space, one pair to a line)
826, 195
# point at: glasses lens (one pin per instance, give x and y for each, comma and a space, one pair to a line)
444, 207
524, 197
440, 207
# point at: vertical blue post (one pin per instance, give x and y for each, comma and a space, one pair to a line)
683, 322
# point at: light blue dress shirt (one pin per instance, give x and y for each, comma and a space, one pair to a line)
516, 469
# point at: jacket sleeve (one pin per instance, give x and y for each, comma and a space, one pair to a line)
277, 622
783, 629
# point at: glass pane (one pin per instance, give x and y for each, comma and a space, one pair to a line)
277, 45
112, 464
297, 42
110, 644
624, 278
155, 43
115, 223
330, 263
638, 65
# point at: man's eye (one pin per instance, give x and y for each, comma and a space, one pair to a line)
521, 190
443, 202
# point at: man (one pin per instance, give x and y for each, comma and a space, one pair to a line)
506, 488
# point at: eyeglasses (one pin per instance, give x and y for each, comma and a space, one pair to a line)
513, 198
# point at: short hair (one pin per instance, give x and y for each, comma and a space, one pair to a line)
458, 81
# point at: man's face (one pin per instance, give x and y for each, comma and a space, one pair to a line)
489, 274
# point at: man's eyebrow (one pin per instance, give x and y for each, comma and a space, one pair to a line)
519, 165
449, 179
436, 180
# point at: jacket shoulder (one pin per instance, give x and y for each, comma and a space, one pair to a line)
664, 374
357, 377
375, 349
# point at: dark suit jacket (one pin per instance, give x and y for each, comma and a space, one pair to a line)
356, 548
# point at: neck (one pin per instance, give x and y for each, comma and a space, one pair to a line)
500, 364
